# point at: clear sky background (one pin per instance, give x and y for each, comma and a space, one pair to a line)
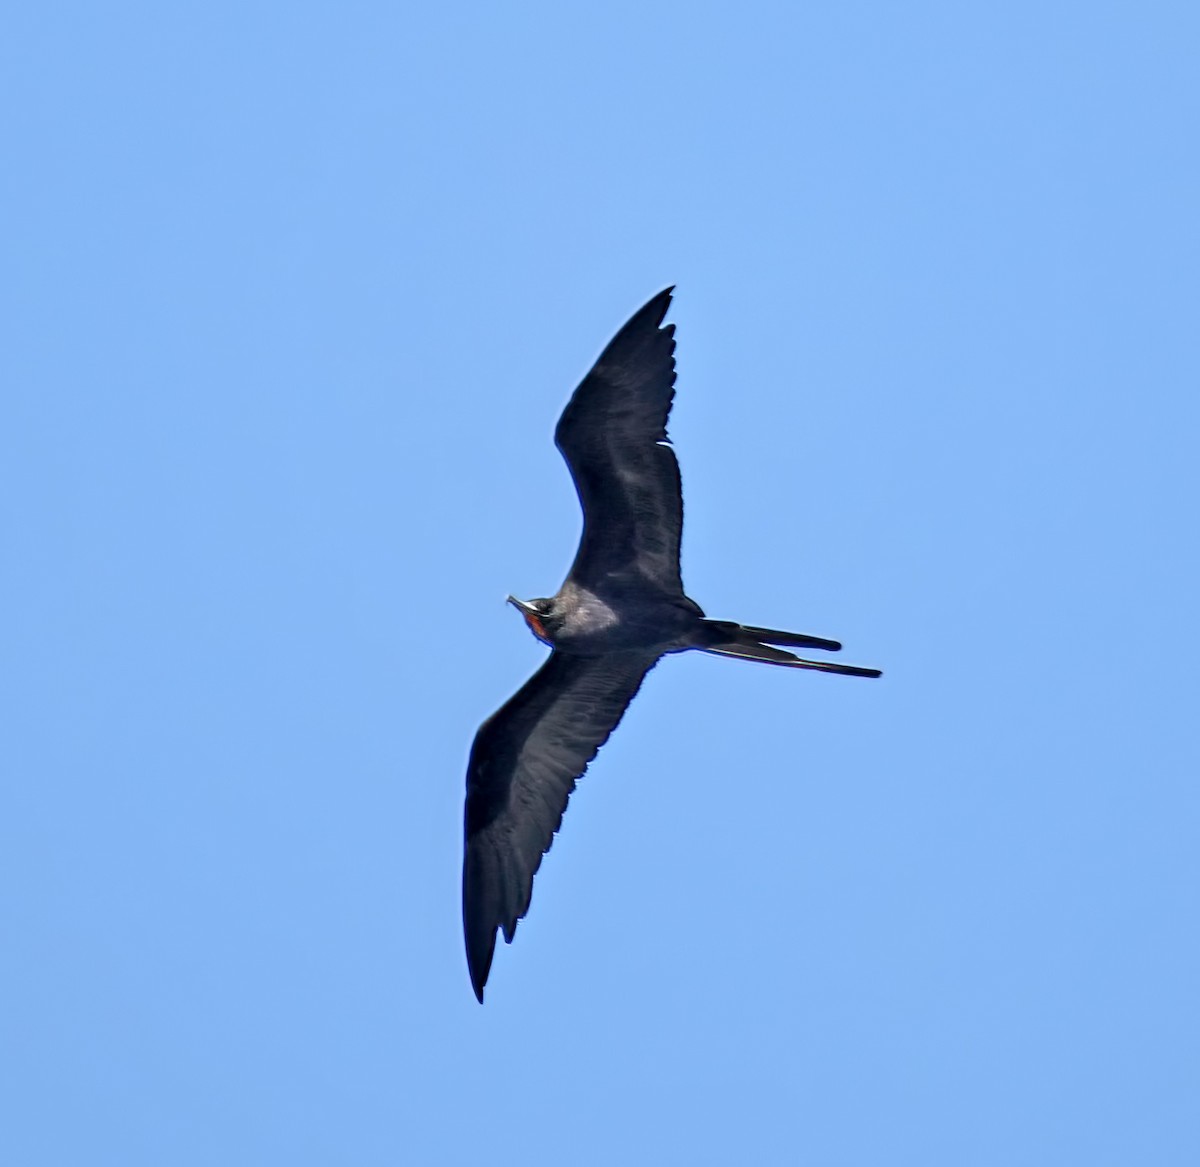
294, 295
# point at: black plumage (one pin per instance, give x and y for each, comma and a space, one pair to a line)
621, 608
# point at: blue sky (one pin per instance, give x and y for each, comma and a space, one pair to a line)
294, 295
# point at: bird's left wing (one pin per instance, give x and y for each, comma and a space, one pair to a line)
613, 434
523, 767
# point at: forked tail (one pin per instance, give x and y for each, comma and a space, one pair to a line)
724, 638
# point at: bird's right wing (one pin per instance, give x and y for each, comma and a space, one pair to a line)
523, 767
613, 434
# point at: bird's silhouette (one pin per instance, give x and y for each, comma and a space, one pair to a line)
621, 608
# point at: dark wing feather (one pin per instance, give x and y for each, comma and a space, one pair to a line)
523, 767
628, 482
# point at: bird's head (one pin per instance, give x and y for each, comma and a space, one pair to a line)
540, 616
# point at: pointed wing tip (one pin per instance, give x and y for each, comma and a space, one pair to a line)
479, 965
479, 959
654, 309
479, 937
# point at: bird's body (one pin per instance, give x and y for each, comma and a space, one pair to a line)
605, 619
621, 608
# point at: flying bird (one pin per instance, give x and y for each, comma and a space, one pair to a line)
621, 608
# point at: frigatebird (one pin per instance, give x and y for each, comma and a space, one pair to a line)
621, 608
